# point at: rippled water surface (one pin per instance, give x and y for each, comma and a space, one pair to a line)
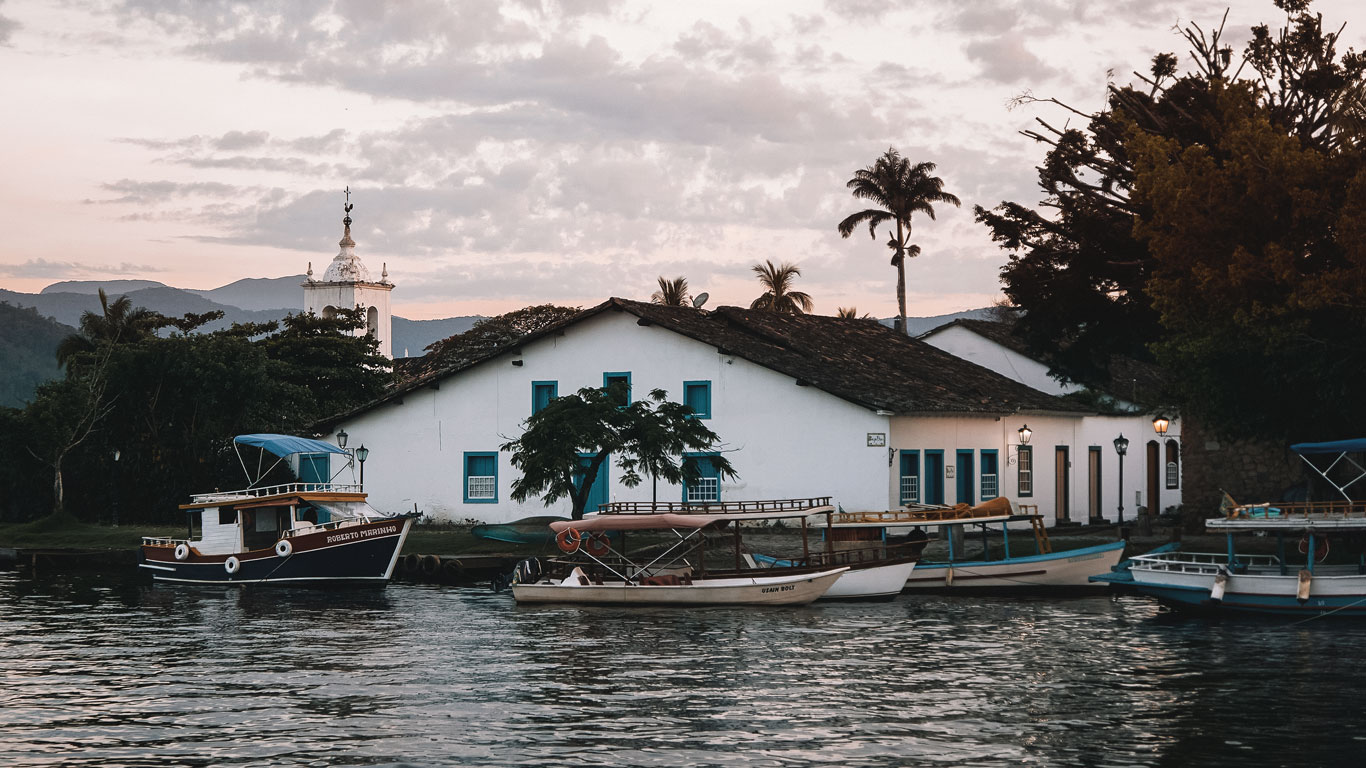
103, 671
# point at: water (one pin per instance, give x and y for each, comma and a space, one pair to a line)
100, 670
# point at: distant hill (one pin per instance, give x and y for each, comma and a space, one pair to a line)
411, 337
93, 287
257, 293
28, 345
918, 325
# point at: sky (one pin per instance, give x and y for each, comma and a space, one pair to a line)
502, 154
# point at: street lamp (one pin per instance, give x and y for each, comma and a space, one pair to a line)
1160, 424
116, 487
341, 438
1025, 433
362, 453
1121, 447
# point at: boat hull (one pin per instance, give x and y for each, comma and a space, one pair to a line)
1254, 593
1070, 570
354, 555
783, 590
881, 582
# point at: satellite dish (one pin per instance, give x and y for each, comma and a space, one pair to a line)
700, 299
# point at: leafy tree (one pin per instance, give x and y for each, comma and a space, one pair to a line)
778, 295
1078, 269
851, 313
489, 334
118, 322
902, 190
646, 437
671, 293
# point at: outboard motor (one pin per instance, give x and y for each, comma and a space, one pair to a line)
528, 571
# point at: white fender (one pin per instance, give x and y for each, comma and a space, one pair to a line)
1306, 581
284, 548
1216, 593
182, 551
231, 565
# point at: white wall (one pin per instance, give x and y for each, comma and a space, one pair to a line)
961, 342
318, 296
784, 440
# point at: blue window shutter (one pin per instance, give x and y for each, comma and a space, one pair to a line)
697, 396
542, 392
481, 478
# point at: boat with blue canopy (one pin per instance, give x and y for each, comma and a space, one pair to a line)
1322, 573
312, 531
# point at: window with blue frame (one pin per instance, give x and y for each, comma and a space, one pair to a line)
706, 487
991, 480
542, 392
697, 396
910, 477
613, 380
481, 477
1025, 471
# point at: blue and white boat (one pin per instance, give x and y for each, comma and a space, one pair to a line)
1042, 570
314, 532
1304, 578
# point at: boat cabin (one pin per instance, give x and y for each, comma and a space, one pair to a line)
244, 521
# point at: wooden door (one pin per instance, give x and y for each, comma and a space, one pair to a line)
1093, 495
1061, 483
1153, 501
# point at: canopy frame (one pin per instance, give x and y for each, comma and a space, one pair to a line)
1343, 450
282, 446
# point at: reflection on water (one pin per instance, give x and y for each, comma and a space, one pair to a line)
103, 671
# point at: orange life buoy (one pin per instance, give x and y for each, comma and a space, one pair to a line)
247, 518
597, 544
1320, 548
569, 541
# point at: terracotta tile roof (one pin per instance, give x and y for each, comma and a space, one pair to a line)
860, 361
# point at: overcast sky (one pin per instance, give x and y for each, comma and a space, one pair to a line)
502, 154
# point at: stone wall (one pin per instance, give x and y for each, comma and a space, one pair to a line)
1249, 470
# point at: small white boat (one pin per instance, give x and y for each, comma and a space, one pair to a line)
1044, 571
794, 589
601, 572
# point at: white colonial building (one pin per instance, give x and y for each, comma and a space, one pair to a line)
804, 405
1079, 460
347, 285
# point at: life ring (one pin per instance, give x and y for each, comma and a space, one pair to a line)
182, 551
597, 544
1320, 548
231, 565
247, 518
284, 548
569, 541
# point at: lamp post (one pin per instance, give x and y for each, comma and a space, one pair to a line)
1121, 447
362, 453
1025, 433
1160, 424
341, 438
116, 487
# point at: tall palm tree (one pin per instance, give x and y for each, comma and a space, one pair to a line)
901, 189
672, 293
851, 313
117, 322
778, 294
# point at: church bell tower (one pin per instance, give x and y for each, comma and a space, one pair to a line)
347, 284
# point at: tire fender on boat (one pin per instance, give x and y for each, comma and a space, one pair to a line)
182, 551
569, 541
231, 565
412, 562
431, 565
284, 548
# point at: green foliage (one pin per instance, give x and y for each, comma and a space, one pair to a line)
901, 190
170, 405
645, 438
489, 334
1203, 218
671, 293
26, 343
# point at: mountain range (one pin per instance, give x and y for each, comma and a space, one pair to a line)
33, 323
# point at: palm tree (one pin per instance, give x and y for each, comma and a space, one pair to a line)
901, 189
116, 323
778, 294
672, 293
851, 313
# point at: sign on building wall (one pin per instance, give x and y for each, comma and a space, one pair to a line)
877, 439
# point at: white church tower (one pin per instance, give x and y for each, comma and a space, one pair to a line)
347, 284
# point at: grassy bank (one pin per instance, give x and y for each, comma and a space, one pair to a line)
69, 533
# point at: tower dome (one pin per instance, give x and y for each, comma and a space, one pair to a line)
346, 266
347, 285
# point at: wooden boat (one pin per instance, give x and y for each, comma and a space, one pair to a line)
1044, 570
599, 570
297, 534
1286, 583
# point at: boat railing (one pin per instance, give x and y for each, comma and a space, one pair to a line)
913, 515
1198, 562
276, 490
162, 541
712, 507
1300, 510
330, 525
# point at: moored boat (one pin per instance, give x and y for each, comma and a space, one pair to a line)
1302, 583
303, 533
1042, 570
600, 570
